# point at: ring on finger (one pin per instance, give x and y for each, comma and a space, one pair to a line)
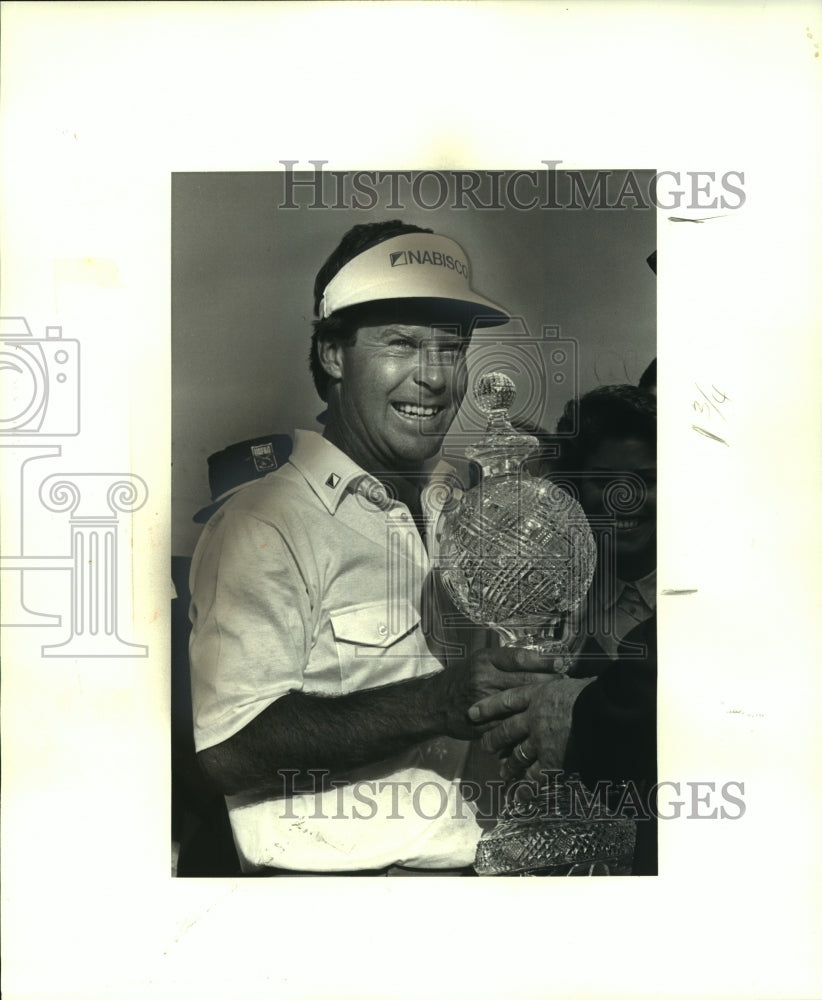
522, 755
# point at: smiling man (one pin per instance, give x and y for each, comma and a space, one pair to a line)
321, 712
396, 390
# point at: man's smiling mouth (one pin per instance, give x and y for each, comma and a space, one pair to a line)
416, 412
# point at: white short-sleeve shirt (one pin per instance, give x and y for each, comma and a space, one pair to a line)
311, 580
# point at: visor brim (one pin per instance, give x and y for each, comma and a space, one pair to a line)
429, 311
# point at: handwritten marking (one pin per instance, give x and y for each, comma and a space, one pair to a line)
675, 593
679, 218
710, 408
717, 396
186, 926
708, 434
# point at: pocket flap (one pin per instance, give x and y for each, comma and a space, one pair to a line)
378, 623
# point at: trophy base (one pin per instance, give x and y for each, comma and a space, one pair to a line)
547, 839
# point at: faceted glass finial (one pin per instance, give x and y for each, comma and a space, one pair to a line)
502, 449
494, 391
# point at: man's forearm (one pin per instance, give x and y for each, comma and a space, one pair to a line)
309, 733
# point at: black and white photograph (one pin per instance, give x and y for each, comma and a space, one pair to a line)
460, 579
409, 440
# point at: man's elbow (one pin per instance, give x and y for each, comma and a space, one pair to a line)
220, 775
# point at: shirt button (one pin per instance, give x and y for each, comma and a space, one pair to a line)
404, 517
382, 630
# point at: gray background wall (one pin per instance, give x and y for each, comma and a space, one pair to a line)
242, 278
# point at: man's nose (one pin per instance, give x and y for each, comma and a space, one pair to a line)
434, 370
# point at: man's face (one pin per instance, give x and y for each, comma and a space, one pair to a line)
619, 483
400, 387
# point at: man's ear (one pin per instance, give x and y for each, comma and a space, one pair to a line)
331, 358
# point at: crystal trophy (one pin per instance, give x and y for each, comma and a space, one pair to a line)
517, 555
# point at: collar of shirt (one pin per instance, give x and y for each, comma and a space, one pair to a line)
645, 586
332, 475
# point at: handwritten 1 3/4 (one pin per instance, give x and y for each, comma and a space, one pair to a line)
708, 407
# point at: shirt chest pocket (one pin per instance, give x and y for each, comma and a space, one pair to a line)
377, 644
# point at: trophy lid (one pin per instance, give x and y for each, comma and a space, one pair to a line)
503, 449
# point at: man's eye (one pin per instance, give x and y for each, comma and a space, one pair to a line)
403, 343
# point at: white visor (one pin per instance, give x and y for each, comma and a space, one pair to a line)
432, 270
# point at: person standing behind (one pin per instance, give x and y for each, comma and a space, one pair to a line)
610, 463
